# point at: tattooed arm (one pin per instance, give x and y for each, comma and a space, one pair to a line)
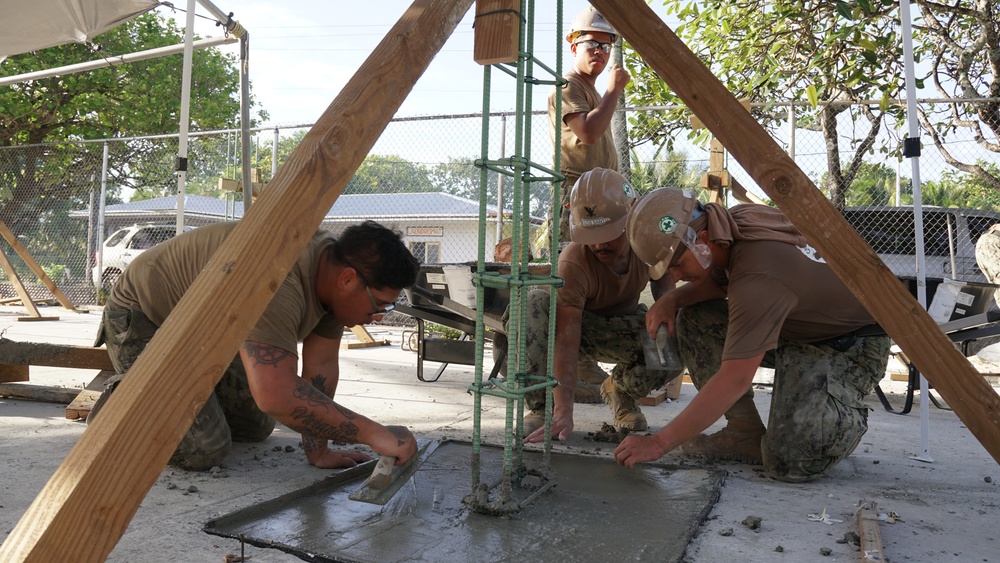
297, 403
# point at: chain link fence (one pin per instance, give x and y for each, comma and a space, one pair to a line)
73, 205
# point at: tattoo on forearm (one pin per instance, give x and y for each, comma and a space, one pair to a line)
308, 423
400, 433
312, 396
319, 382
264, 355
312, 443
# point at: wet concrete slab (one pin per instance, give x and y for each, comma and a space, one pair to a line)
598, 511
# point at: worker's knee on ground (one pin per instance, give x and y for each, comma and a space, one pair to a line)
207, 442
782, 467
253, 431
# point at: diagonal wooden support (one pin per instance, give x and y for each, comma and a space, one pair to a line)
892, 305
87, 504
21, 251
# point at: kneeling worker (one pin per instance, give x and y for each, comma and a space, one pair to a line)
756, 294
598, 314
337, 281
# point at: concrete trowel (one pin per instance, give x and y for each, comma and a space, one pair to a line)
386, 479
661, 354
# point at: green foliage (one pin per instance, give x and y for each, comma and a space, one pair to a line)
141, 98
389, 174
671, 169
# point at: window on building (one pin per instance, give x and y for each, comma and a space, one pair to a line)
426, 252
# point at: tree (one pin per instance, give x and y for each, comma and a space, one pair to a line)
389, 174
670, 170
962, 40
137, 99
830, 53
874, 184
461, 177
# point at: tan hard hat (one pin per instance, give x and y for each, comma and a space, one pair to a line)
657, 224
590, 20
598, 206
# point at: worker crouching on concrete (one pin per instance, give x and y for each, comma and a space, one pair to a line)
756, 294
598, 314
337, 281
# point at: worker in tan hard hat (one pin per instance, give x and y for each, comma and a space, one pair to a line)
586, 140
598, 314
756, 294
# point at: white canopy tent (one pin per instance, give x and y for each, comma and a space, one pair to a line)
30, 26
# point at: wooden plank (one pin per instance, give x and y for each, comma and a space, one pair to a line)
871, 537
82, 404
889, 302
655, 397
53, 355
497, 31
29, 260
44, 393
11, 373
36, 318
77, 516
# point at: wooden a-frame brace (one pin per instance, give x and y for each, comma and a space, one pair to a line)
967, 393
15, 279
81, 512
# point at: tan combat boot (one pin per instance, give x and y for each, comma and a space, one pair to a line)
738, 441
589, 377
624, 409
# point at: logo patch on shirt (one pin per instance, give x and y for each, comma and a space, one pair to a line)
668, 225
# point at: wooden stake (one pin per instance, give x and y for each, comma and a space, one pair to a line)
21, 251
871, 537
81, 513
892, 305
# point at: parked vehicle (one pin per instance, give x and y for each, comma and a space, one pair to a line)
950, 236
123, 246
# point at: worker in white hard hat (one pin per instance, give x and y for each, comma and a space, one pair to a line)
756, 294
598, 314
586, 140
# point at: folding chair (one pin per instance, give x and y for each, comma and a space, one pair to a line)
968, 313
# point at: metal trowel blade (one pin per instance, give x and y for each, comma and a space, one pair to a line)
400, 475
650, 351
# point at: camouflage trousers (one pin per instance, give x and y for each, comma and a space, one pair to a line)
230, 414
817, 411
603, 338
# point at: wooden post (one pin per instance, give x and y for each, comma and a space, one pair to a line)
497, 31
81, 514
892, 305
21, 251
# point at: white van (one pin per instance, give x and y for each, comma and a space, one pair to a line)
950, 236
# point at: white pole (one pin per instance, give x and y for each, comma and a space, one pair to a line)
114, 61
911, 150
791, 131
181, 165
99, 282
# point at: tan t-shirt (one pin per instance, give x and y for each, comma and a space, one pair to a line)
779, 289
592, 286
157, 279
577, 156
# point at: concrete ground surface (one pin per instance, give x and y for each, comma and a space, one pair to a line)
945, 510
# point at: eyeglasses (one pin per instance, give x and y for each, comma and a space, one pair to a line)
590, 45
376, 309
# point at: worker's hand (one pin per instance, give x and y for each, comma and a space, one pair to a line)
637, 449
562, 427
325, 458
618, 78
664, 311
396, 441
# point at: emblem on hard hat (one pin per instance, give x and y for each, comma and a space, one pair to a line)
668, 225
627, 188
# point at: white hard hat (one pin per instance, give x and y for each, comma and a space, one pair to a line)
590, 20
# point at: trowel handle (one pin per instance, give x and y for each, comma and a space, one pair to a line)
382, 474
